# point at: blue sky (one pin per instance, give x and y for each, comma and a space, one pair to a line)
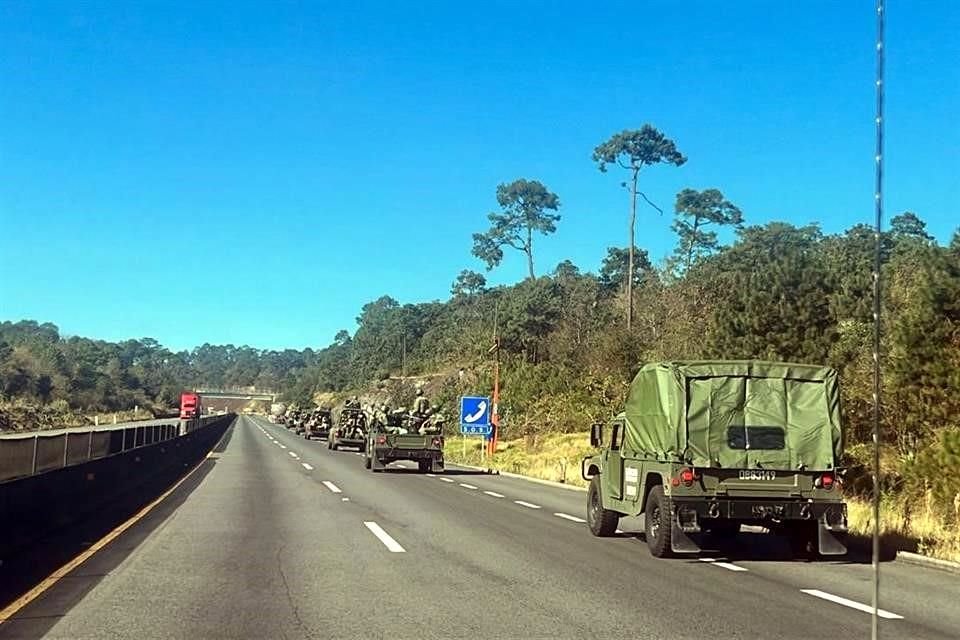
255, 172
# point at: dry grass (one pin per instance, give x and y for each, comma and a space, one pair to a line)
551, 457
923, 530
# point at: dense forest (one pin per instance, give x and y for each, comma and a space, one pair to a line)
779, 291
41, 368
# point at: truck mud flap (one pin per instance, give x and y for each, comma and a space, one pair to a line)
680, 541
831, 540
436, 465
376, 464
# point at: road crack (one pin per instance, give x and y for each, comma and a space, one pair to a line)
301, 625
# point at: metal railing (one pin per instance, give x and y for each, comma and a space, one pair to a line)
29, 454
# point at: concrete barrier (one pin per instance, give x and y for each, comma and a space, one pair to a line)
33, 506
27, 454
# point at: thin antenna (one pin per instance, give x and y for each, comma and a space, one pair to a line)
877, 257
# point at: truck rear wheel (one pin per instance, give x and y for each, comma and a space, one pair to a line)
367, 462
602, 522
657, 524
424, 466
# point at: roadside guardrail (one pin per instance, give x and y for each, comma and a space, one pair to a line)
27, 454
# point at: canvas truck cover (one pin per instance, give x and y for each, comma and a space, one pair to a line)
736, 414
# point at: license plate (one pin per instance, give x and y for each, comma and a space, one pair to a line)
757, 474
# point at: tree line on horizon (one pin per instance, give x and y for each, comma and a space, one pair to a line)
39, 365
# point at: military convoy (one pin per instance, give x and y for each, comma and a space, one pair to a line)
702, 448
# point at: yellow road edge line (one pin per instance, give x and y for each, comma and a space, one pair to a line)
18, 604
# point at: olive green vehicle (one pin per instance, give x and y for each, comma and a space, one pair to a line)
704, 447
400, 439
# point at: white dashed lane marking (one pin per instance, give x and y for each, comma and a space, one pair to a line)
292, 454
446, 479
306, 466
528, 505
467, 486
725, 565
816, 593
494, 494
333, 488
384, 537
569, 517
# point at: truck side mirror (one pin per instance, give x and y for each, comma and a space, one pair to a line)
596, 435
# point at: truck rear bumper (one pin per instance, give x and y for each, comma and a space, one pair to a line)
691, 516
391, 455
761, 511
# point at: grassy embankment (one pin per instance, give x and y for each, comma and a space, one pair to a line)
557, 457
26, 416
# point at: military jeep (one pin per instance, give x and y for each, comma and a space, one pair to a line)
702, 448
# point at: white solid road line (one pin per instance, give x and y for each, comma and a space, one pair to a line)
851, 603
384, 537
333, 488
725, 565
569, 517
526, 504
306, 466
467, 486
494, 494
446, 479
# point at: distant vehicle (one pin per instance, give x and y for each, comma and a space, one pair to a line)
704, 447
400, 439
277, 409
351, 430
190, 405
318, 425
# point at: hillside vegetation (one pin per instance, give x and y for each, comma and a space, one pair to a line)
778, 292
48, 380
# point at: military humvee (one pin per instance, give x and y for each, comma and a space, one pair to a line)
351, 430
401, 439
704, 447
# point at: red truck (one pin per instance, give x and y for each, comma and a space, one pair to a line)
189, 405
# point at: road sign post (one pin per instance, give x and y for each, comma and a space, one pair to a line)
475, 416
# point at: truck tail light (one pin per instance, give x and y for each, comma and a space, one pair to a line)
381, 439
824, 482
687, 476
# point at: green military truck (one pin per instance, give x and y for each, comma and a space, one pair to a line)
351, 430
704, 447
400, 439
318, 425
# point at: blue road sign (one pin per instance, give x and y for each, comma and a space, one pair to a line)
475, 416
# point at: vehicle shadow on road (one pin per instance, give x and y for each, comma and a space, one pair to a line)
51, 550
466, 472
766, 547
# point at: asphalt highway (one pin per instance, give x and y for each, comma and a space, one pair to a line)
277, 537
